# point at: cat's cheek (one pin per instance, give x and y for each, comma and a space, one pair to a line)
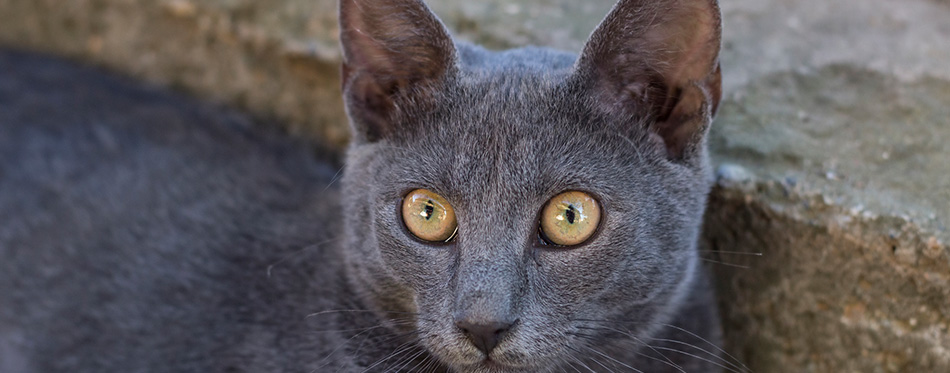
417, 266
592, 263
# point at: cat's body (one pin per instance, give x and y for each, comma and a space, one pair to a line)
138, 230
143, 232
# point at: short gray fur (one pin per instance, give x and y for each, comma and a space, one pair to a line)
143, 232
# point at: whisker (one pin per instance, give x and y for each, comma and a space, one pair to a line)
571, 364
326, 359
724, 263
663, 358
398, 351
612, 359
386, 341
720, 349
576, 351
714, 355
368, 328
603, 366
325, 312
731, 361
360, 347
409, 360
426, 365
579, 361
297, 252
335, 177
354, 310
423, 365
395, 322
698, 358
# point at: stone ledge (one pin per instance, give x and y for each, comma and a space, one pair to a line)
832, 143
808, 286
271, 57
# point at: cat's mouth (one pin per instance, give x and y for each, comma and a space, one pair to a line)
461, 355
489, 363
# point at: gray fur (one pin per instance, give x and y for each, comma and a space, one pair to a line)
142, 232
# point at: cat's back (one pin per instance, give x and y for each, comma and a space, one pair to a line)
131, 218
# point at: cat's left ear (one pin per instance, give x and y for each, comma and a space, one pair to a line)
658, 58
395, 54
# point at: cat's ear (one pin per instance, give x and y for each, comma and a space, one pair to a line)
658, 58
395, 52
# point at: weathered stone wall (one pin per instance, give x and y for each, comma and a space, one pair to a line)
828, 225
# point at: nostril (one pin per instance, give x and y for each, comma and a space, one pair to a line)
484, 335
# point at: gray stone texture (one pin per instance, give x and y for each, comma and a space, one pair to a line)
827, 228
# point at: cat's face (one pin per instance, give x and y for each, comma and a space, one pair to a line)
497, 137
498, 164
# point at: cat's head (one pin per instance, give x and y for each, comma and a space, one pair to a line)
510, 279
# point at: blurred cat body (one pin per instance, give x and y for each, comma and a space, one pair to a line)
141, 231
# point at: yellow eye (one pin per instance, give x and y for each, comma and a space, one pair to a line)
429, 216
570, 218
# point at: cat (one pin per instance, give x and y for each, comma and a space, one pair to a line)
525, 210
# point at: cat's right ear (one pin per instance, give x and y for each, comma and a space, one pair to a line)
395, 54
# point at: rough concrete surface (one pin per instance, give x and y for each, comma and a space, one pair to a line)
828, 224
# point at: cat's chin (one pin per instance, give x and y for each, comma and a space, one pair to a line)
492, 366
486, 365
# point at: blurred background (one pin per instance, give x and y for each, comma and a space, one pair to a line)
827, 227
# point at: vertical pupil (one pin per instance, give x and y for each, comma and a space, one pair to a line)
570, 214
429, 209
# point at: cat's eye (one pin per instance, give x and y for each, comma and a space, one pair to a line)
428, 216
570, 218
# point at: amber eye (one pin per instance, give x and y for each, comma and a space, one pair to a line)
570, 218
429, 216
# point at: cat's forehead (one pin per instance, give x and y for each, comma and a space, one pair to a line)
505, 85
526, 154
512, 125
519, 60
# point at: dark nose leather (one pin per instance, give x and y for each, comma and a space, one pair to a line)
484, 335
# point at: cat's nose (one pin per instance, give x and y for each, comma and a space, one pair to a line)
484, 335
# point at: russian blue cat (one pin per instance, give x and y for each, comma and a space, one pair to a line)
526, 210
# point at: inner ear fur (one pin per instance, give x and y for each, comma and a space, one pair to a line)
658, 59
394, 52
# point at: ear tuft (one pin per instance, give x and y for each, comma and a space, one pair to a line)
394, 51
659, 59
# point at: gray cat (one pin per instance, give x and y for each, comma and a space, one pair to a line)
517, 211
